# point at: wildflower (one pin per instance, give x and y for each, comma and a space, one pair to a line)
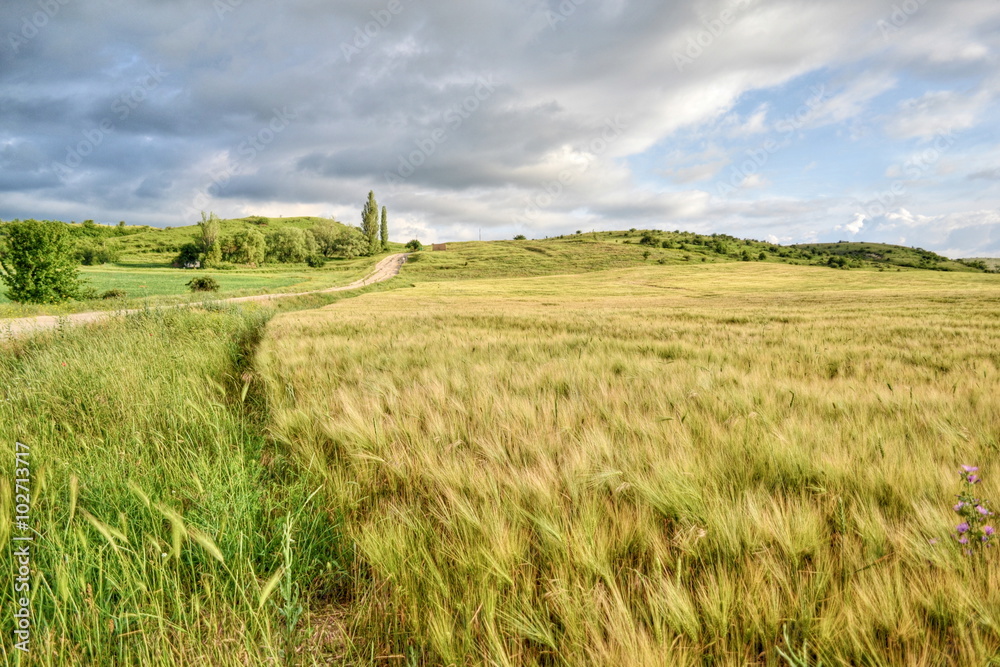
988, 530
982, 510
962, 527
963, 540
959, 506
973, 479
970, 468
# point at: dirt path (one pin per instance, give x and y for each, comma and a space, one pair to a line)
385, 269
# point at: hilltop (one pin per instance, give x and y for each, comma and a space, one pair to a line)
595, 251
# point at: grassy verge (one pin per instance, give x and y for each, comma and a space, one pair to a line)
729, 465
159, 512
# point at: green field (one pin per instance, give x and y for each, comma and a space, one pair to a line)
550, 452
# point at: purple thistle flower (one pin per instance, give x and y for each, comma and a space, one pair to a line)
982, 510
963, 540
988, 530
962, 527
970, 468
973, 479
959, 506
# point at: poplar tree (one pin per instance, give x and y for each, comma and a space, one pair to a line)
385, 230
369, 224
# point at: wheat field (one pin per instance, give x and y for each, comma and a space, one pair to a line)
725, 465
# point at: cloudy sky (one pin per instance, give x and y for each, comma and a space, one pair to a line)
774, 119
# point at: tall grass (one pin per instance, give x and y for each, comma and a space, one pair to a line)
740, 464
158, 508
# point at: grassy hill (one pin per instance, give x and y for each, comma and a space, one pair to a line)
992, 263
597, 251
886, 255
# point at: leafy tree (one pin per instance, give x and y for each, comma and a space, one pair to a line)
369, 224
350, 243
38, 262
247, 246
190, 255
290, 244
384, 231
326, 234
414, 245
210, 229
520, 237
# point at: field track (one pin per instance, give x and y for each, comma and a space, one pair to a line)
385, 269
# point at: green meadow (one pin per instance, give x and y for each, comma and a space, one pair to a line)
575, 451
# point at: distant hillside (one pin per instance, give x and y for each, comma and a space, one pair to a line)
991, 263
595, 251
885, 255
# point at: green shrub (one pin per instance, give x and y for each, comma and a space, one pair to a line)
414, 245
38, 262
203, 284
190, 255
520, 237
316, 261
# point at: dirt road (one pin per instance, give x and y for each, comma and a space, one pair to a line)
385, 269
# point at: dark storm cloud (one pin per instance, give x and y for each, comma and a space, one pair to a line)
150, 111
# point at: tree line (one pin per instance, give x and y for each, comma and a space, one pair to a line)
39, 259
287, 245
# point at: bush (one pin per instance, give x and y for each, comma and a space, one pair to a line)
316, 261
647, 239
414, 245
95, 254
38, 262
114, 294
189, 256
520, 237
203, 284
